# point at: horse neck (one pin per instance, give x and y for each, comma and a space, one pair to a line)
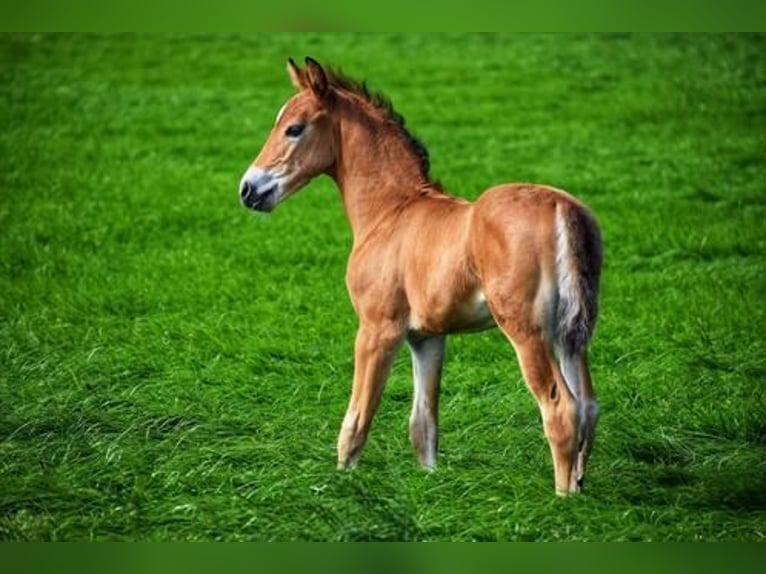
376, 172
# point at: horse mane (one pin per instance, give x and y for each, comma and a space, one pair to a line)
381, 102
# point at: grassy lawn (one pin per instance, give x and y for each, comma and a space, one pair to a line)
174, 367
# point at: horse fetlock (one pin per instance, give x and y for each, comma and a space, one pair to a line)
350, 441
349, 453
423, 435
560, 422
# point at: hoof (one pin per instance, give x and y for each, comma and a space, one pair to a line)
348, 464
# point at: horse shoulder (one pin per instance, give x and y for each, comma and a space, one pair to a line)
374, 280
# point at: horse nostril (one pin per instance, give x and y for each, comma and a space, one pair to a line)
246, 189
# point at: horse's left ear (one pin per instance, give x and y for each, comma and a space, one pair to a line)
297, 76
317, 79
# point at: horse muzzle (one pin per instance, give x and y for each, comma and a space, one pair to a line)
259, 190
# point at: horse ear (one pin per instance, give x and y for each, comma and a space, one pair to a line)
317, 79
297, 76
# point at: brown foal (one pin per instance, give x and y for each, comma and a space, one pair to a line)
424, 264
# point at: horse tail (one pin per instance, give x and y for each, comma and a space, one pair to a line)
578, 272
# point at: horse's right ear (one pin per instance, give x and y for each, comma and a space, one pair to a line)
317, 79
297, 76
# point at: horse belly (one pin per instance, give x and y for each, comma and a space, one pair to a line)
470, 313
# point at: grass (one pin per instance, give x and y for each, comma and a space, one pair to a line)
173, 367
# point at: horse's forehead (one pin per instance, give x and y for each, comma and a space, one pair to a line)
297, 104
281, 112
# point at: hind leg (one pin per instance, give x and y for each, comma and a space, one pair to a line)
558, 405
558, 408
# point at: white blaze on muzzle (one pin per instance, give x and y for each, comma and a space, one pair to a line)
260, 189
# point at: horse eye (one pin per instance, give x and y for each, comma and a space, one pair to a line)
295, 130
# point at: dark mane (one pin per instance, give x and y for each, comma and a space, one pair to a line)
380, 101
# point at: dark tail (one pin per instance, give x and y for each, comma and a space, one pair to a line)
578, 267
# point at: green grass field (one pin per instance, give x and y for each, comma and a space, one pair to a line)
174, 367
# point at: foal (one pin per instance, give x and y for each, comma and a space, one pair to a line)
424, 264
